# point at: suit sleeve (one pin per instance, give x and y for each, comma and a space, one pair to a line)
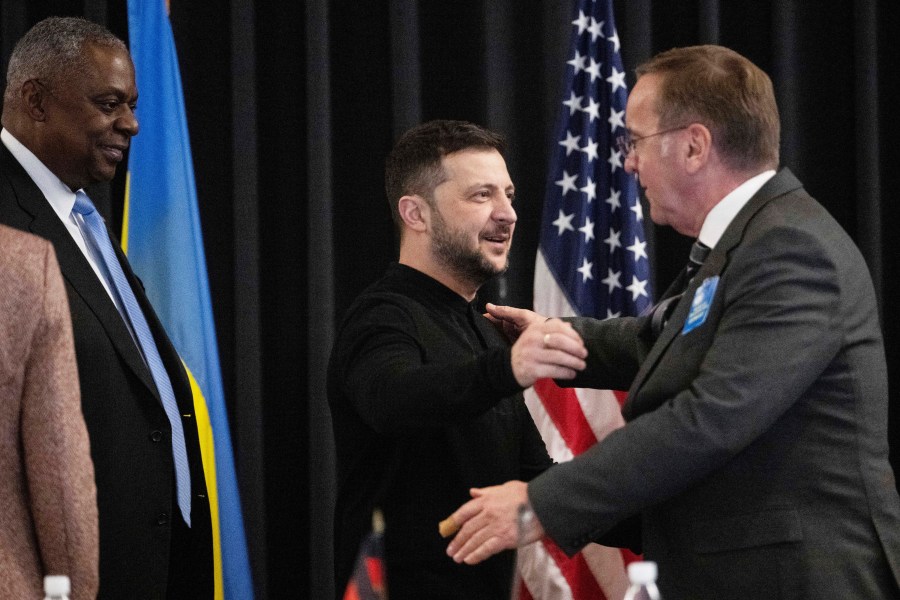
776, 333
615, 351
59, 470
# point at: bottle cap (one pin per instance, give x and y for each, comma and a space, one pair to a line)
57, 585
642, 572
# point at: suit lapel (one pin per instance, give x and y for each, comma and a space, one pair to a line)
74, 266
782, 183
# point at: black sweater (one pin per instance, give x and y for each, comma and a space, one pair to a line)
424, 406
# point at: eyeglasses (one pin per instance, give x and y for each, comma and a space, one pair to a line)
626, 143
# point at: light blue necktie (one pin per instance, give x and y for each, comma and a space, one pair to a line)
96, 229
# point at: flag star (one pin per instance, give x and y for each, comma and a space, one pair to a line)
615, 159
564, 222
570, 143
582, 22
615, 118
617, 79
593, 109
585, 270
596, 29
637, 288
587, 229
639, 249
613, 240
567, 183
590, 189
591, 149
574, 103
593, 69
614, 38
613, 315
577, 62
613, 200
612, 280
638, 210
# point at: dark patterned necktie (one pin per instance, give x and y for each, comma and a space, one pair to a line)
660, 313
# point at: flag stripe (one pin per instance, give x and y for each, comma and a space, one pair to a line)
541, 575
208, 454
556, 445
573, 569
565, 411
368, 580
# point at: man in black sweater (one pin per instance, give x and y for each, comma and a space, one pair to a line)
425, 393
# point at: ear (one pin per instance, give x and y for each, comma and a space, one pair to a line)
33, 97
414, 212
699, 147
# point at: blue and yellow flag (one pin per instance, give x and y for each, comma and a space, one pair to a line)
164, 243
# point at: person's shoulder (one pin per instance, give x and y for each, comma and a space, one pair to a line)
26, 263
377, 303
20, 247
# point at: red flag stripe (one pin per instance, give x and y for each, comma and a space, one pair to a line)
375, 569
565, 412
573, 569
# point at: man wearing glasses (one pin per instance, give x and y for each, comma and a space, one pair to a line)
754, 461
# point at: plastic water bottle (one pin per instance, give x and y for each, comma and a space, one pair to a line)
642, 576
57, 587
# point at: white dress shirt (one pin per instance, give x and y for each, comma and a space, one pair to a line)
723, 213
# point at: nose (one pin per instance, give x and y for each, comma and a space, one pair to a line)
128, 123
504, 211
630, 163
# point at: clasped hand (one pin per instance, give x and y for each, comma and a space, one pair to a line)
489, 523
541, 347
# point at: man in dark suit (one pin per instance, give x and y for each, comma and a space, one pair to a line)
754, 461
68, 116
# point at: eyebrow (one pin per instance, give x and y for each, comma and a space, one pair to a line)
493, 186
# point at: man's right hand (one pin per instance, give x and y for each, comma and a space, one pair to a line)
512, 321
545, 347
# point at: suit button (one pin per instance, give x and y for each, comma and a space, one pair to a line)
156, 436
162, 519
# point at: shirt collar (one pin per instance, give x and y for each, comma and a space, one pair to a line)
425, 284
57, 193
723, 213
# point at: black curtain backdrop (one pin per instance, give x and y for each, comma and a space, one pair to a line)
292, 107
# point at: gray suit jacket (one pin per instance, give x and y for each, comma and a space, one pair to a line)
755, 449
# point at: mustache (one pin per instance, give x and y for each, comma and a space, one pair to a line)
499, 231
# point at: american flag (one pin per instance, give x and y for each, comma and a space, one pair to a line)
592, 261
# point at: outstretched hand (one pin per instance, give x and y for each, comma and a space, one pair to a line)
511, 321
489, 523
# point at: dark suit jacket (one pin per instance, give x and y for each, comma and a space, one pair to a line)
755, 449
128, 428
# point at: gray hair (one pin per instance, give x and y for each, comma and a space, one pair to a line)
53, 50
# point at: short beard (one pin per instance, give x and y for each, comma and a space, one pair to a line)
451, 249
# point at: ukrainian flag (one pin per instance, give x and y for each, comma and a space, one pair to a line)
164, 243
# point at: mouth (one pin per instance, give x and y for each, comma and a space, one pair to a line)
499, 240
114, 152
